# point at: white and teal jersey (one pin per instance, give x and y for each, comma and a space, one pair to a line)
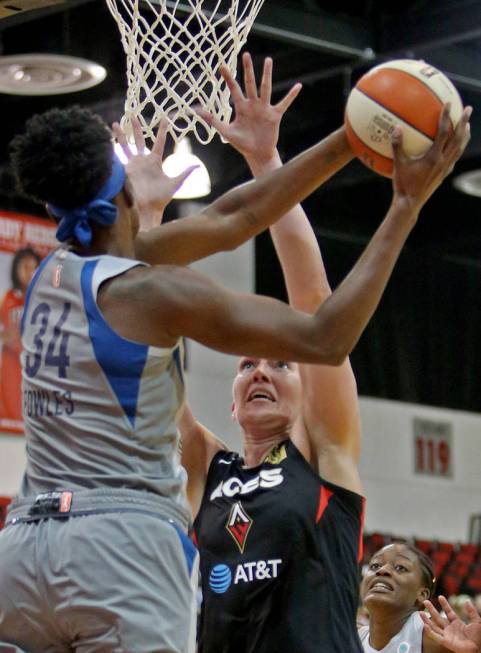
99, 409
408, 640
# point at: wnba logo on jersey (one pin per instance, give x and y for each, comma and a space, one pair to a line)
404, 647
268, 478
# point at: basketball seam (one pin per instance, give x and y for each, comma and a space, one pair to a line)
420, 131
406, 74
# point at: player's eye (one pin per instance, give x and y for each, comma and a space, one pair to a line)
246, 365
374, 566
282, 365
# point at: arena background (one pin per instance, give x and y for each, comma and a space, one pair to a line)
418, 363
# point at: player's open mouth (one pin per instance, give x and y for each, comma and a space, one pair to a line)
260, 395
380, 586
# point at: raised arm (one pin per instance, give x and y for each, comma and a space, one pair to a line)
178, 302
330, 438
235, 217
382, 252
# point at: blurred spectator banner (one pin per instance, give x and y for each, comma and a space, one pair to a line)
433, 448
24, 241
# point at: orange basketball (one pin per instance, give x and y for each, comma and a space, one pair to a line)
403, 92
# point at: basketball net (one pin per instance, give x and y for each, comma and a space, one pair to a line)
174, 57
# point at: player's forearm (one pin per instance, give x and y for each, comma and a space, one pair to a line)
250, 209
348, 310
337, 143
247, 210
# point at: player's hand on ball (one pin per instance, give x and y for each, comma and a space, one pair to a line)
416, 179
152, 189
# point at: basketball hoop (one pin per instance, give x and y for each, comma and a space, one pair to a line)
174, 53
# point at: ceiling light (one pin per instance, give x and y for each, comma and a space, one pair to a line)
47, 74
121, 154
197, 183
469, 182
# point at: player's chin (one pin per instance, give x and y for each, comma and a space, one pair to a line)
261, 414
264, 410
258, 405
373, 599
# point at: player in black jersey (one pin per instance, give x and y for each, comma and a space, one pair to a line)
279, 530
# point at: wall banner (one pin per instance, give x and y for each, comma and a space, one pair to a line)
24, 241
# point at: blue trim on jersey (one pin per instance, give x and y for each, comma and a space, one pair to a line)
31, 286
190, 551
121, 360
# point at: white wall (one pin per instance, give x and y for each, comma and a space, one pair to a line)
398, 500
12, 463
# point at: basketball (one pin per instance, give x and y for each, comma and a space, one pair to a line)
403, 92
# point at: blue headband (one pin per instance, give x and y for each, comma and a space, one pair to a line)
76, 222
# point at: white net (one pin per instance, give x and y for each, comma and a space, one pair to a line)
174, 52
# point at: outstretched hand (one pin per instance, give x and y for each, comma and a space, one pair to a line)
416, 179
254, 132
151, 187
450, 631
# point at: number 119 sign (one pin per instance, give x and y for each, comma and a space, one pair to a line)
433, 448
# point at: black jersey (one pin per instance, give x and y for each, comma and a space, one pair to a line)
279, 550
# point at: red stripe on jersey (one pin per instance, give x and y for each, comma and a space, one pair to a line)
323, 501
360, 554
194, 539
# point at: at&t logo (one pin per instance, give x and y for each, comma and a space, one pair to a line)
220, 578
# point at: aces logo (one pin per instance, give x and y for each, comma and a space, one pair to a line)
238, 525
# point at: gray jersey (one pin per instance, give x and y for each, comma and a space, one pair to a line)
99, 410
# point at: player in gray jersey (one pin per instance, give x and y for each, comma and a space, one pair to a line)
94, 556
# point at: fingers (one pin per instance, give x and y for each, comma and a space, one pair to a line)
397, 145
450, 614
430, 632
459, 140
122, 140
234, 88
430, 626
249, 77
213, 121
266, 81
288, 99
179, 179
442, 135
138, 136
160, 137
473, 616
436, 618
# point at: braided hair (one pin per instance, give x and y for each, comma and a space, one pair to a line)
426, 566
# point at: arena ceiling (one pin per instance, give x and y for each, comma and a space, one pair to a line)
326, 44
